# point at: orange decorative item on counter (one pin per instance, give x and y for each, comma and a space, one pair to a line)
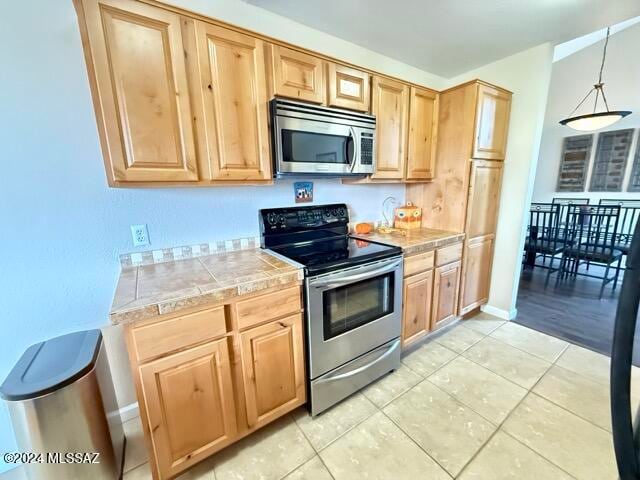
363, 228
408, 217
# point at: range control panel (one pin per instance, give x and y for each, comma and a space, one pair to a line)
295, 219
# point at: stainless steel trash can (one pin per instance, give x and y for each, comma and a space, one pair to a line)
60, 395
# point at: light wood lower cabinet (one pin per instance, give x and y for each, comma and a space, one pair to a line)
416, 320
205, 387
446, 282
273, 369
476, 274
190, 405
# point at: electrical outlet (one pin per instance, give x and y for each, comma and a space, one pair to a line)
140, 235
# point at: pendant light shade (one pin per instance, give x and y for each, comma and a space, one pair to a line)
595, 120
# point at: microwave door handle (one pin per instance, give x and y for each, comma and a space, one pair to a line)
353, 137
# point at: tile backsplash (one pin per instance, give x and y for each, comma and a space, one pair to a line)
163, 255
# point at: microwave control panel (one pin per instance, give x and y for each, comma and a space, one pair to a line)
366, 148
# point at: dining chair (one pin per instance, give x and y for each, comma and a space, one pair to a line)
544, 235
629, 215
591, 233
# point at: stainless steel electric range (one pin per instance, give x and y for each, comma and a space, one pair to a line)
353, 298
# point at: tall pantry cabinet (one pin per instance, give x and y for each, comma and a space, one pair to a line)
464, 197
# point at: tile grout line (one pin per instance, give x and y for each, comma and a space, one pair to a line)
500, 425
416, 443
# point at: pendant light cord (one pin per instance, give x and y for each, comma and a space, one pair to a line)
604, 55
599, 86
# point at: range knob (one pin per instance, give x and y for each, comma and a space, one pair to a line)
272, 218
342, 212
281, 219
334, 213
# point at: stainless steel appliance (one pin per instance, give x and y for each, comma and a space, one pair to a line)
313, 140
353, 298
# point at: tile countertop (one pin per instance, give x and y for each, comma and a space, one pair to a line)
147, 291
415, 241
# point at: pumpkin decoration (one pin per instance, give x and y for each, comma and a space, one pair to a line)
363, 228
408, 217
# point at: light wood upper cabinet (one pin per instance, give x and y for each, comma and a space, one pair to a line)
233, 92
190, 405
273, 369
135, 59
390, 105
297, 75
484, 198
423, 121
446, 282
347, 87
416, 320
492, 122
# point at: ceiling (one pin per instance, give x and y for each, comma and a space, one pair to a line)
450, 37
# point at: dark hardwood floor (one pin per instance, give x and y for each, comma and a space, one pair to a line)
571, 310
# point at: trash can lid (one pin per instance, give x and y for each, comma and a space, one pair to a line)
51, 365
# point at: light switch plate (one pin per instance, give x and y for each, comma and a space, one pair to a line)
140, 235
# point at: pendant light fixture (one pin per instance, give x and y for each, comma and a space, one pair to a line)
595, 120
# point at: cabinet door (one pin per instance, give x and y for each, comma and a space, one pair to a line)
484, 198
234, 100
476, 274
445, 293
423, 121
297, 75
492, 123
190, 405
135, 58
417, 307
273, 369
390, 105
348, 87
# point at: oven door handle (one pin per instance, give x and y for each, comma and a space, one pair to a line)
329, 284
390, 349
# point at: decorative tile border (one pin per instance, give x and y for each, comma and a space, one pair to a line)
164, 255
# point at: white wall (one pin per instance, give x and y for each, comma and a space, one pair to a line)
62, 228
571, 78
527, 75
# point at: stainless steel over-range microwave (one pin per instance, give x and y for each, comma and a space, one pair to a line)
314, 140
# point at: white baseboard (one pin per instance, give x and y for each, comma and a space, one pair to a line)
126, 413
500, 313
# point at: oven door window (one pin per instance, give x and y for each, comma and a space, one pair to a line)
357, 304
308, 147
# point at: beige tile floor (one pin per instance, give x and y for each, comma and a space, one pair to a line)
483, 400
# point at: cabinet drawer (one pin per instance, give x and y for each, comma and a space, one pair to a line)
163, 337
449, 254
268, 307
418, 263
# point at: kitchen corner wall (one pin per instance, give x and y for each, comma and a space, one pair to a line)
527, 74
